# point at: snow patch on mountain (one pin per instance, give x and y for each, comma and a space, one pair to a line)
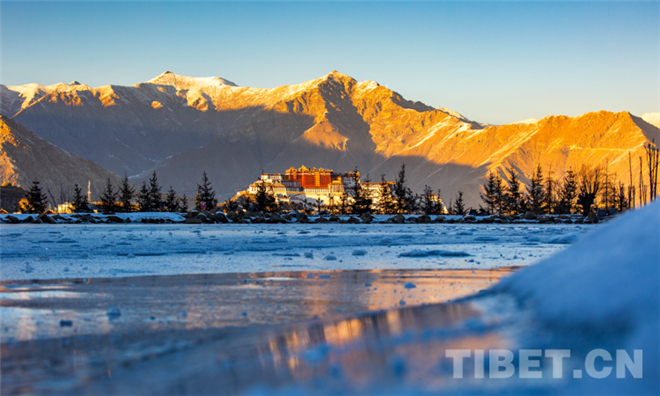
528, 121
185, 82
652, 118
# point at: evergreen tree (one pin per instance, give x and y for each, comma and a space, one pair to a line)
549, 194
126, 194
206, 194
361, 197
155, 194
79, 199
265, 199
514, 198
405, 201
493, 193
431, 203
567, 193
36, 201
459, 204
183, 203
171, 202
144, 199
109, 197
536, 191
198, 201
488, 196
343, 208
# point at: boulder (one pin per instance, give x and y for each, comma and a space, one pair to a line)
592, 218
193, 220
46, 219
321, 220
192, 213
302, 218
28, 219
545, 219
276, 218
334, 218
423, 219
114, 219
397, 219
469, 218
13, 220
366, 217
353, 220
234, 216
530, 216
220, 217
254, 213
602, 213
439, 219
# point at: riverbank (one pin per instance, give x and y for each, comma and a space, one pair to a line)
241, 217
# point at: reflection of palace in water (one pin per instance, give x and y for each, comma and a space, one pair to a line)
346, 345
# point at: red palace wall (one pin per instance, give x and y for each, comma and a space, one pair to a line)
311, 179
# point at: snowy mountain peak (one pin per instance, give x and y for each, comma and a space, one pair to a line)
337, 76
652, 118
185, 82
527, 121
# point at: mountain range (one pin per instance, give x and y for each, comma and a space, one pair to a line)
181, 126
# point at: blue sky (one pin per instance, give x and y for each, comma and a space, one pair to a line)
494, 62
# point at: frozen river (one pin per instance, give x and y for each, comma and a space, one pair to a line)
90, 251
311, 308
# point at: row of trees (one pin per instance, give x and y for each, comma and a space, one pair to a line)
576, 191
125, 198
151, 199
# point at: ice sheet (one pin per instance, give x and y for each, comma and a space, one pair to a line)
104, 250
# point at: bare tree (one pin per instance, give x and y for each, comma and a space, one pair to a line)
631, 186
589, 185
642, 186
652, 161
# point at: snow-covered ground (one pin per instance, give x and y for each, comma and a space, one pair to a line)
32, 251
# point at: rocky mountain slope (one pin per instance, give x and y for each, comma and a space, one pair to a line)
181, 126
25, 157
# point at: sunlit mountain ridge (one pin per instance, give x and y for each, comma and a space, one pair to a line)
181, 126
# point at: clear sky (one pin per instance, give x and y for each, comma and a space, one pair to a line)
494, 62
